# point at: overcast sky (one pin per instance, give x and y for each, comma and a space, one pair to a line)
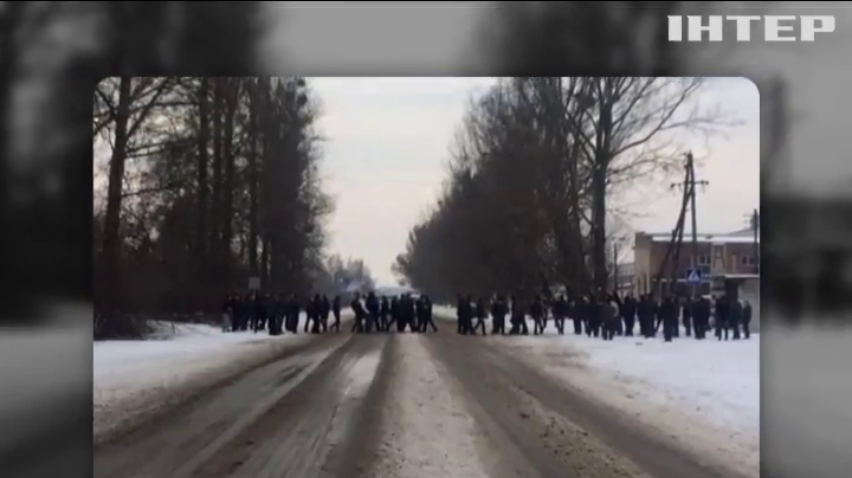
388, 139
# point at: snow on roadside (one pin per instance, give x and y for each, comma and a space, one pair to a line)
135, 378
703, 394
119, 366
425, 432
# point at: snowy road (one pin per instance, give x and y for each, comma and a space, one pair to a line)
396, 405
291, 417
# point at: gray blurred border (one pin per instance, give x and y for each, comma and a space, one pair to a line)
806, 386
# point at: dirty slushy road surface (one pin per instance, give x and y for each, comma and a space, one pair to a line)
394, 405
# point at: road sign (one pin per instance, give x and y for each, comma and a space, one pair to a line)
693, 276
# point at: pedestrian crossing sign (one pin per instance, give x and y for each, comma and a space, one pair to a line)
693, 276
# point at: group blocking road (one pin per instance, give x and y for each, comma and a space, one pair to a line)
393, 405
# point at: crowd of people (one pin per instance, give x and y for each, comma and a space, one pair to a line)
276, 313
610, 315
605, 316
259, 311
403, 312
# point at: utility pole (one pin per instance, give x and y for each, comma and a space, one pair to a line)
690, 163
688, 184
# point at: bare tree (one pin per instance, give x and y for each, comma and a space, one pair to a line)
526, 207
174, 249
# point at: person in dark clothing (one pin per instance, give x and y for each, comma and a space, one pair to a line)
537, 311
594, 317
560, 312
736, 317
619, 322
419, 314
660, 315
419, 317
271, 313
401, 324
281, 306
481, 313
519, 317
668, 313
577, 310
652, 309
228, 314
360, 313
694, 320
259, 313
325, 311
431, 314
469, 315
372, 305
428, 318
607, 313
268, 310
721, 316
498, 316
460, 311
616, 324
687, 311
317, 312
400, 313
747, 319
408, 311
628, 315
656, 315
275, 319
395, 314
642, 314
249, 306
310, 314
384, 314
293, 312
335, 309
700, 317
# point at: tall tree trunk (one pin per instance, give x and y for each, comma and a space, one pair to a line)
216, 215
111, 244
270, 175
599, 234
599, 177
231, 92
254, 107
202, 165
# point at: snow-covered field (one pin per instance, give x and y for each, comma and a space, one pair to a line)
704, 395
135, 378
